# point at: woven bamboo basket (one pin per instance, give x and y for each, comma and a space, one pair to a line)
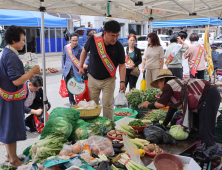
89, 113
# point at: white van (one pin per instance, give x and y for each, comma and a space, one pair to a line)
202, 35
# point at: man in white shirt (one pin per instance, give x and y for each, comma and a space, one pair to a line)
34, 101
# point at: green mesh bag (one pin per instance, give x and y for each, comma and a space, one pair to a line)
104, 123
61, 120
83, 130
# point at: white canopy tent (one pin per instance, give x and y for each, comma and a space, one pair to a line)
142, 10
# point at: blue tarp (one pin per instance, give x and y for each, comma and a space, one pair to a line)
187, 22
29, 18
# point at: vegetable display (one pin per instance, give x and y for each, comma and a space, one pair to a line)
104, 123
130, 164
136, 97
152, 148
122, 113
149, 95
50, 146
83, 130
61, 120
156, 115
128, 130
178, 133
115, 134
136, 123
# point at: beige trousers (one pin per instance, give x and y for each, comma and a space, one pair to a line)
107, 87
150, 76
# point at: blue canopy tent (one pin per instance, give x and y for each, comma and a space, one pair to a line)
29, 18
187, 22
33, 19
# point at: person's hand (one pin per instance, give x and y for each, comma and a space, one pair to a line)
179, 39
143, 70
122, 87
38, 112
81, 71
145, 104
132, 66
47, 106
85, 66
36, 69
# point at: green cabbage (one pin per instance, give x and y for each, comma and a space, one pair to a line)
104, 123
178, 133
59, 125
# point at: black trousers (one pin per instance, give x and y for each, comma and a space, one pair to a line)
198, 75
29, 121
178, 72
130, 79
207, 112
69, 76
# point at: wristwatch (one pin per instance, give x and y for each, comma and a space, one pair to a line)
122, 81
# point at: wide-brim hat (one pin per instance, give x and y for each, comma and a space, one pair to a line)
161, 74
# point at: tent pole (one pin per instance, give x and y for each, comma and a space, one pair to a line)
45, 102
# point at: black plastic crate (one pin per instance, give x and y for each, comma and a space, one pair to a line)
141, 112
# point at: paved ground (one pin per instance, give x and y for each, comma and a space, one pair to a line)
53, 84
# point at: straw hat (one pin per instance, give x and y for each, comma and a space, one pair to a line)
161, 74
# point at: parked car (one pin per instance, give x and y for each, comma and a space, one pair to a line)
202, 35
83, 33
142, 42
218, 41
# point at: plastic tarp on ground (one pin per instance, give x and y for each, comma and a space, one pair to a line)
29, 18
187, 22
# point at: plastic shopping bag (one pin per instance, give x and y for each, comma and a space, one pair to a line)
121, 100
132, 150
84, 95
143, 83
63, 89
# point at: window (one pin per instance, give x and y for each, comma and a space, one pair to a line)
195, 31
134, 29
52, 32
200, 35
80, 32
143, 38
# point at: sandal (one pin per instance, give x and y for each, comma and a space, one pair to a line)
20, 158
11, 165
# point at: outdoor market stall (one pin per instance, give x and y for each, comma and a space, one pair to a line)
99, 143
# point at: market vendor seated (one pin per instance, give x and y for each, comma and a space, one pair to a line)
202, 99
34, 101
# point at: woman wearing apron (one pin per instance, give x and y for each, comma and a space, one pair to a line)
12, 93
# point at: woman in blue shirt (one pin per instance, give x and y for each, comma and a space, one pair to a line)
13, 93
215, 55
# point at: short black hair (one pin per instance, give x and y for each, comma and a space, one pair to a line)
173, 37
13, 33
182, 34
37, 81
73, 35
112, 26
194, 37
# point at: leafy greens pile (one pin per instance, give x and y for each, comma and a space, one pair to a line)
50, 146
135, 96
